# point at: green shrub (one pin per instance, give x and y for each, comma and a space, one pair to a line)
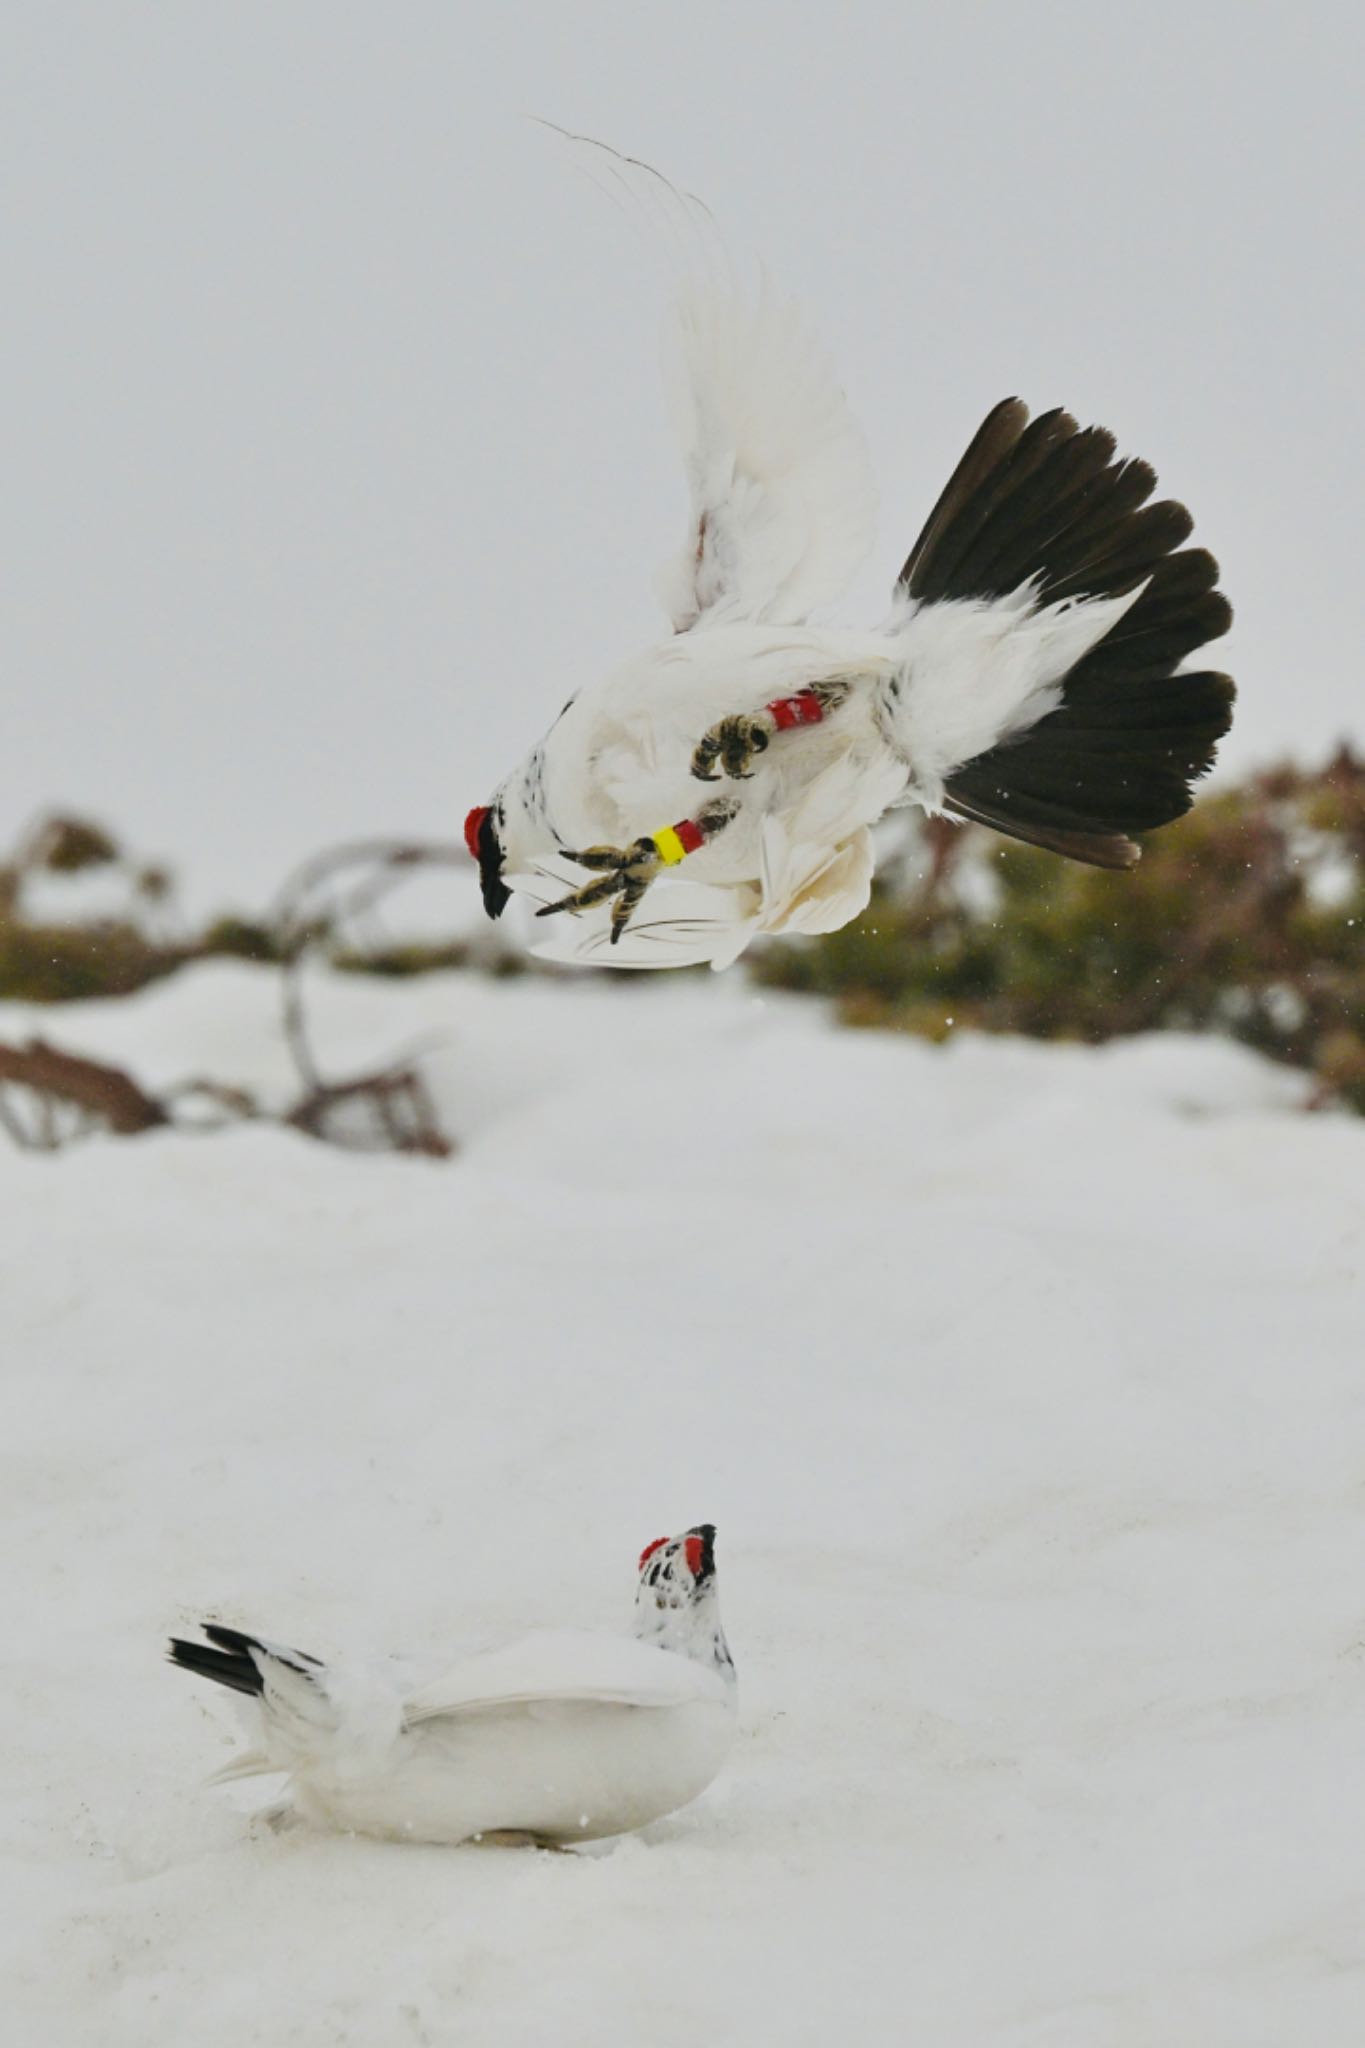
42, 963
1246, 917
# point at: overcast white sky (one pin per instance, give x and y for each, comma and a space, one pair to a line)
334, 449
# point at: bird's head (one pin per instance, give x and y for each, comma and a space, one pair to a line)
676, 1603
508, 834
481, 836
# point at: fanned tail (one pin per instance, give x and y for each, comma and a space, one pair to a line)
1045, 503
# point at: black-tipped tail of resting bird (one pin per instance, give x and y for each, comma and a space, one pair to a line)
1045, 500
230, 1660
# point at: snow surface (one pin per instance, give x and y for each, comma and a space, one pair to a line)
1024, 1385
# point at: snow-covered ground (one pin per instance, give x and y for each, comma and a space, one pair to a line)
1025, 1385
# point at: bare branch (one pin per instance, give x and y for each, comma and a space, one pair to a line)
106, 1094
299, 920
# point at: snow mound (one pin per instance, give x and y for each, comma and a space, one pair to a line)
1022, 1382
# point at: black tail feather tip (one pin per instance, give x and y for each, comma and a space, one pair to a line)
234, 1668
229, 1658
1046, 502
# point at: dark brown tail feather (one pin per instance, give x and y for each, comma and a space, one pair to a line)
1045, 501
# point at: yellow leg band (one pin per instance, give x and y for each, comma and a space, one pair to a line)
671, 848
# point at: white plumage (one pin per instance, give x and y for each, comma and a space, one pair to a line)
1022, 676
563, 1736
778, 470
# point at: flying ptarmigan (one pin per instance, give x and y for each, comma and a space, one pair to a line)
1029, 674
562, 1736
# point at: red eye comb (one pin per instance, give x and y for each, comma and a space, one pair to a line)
649, 1550
472, 826
692, 1550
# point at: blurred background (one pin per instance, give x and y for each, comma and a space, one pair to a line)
336, 457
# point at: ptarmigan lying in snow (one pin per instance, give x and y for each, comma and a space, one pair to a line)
1028, 675
563, 1736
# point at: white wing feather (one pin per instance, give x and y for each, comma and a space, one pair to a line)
250, 1763
813, 888
783, 503
565, 1665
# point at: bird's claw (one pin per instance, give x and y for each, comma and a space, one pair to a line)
623, 872
734, 743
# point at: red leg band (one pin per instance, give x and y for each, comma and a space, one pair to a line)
803, 709
690, 834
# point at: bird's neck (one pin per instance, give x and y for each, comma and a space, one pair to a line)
525, 830
692, 1629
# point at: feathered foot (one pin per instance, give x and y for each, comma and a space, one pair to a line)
736, 741
627, 871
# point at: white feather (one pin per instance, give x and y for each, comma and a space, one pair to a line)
813, 886
251, 1763
565, 1735
783, 503
976, 674
561, 1665
680, 924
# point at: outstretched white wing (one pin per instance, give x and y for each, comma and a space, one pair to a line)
565, 1665
783, 503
